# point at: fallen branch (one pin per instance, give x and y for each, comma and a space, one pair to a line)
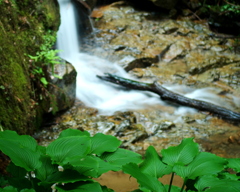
165, 94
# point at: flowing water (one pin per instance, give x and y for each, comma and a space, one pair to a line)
108, 98
91, 90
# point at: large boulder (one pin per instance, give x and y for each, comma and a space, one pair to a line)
63, 87
23, 24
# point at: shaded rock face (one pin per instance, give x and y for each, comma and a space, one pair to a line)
166, 4
22, 27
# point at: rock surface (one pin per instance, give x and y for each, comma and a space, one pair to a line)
63, 86
23, 25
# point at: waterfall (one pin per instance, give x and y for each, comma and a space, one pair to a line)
93, 92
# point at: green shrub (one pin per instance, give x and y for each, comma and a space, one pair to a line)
72, 161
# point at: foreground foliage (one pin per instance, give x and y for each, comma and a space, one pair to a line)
72, 161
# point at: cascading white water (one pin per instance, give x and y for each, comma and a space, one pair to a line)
91, 90
96, 93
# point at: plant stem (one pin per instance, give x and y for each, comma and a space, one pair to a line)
30, 178
170, 184
184, 183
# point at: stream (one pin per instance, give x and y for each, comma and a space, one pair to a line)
148, 46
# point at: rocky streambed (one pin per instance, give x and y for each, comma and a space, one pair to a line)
181, 53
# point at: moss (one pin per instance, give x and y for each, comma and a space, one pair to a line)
22, 27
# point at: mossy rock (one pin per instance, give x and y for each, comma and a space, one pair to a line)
22, 27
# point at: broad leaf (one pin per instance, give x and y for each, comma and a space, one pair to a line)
24, 140
227, 175
20, 155
173, 188
94, 167
9, 189
182, 154
234, 164
22, 149
204, 164
87, 165
80, 186
153, 165
17, 177
146, 181
105, 189
27, 190
104, 143
63, 149
121, 157
46, 169
210, 183
73, 132
16, 171
66, 176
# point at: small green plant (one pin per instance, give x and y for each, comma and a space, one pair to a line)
68, 164
229, 8
72, 161
46, 56
201, 171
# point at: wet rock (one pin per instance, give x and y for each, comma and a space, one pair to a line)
164, 125
141, 63
200, 62
63, 86
105, 127
124, 125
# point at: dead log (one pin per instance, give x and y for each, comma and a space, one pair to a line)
165, 94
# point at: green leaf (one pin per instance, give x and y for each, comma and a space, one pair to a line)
87, 165
44, 81
80, 186
153, 165
16, 171
173, 188
104, 143
65, 148
121, 157
234, 164
146, 181
73, 132
3, 181
90, 187
204, 164
46, 169
9, 189
227, 175
182, 154
17, 177
24, 140
210, 183
27, 190
20, 154
94, 167
105, 189
66, 176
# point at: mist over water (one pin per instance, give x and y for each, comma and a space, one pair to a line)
104, 96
